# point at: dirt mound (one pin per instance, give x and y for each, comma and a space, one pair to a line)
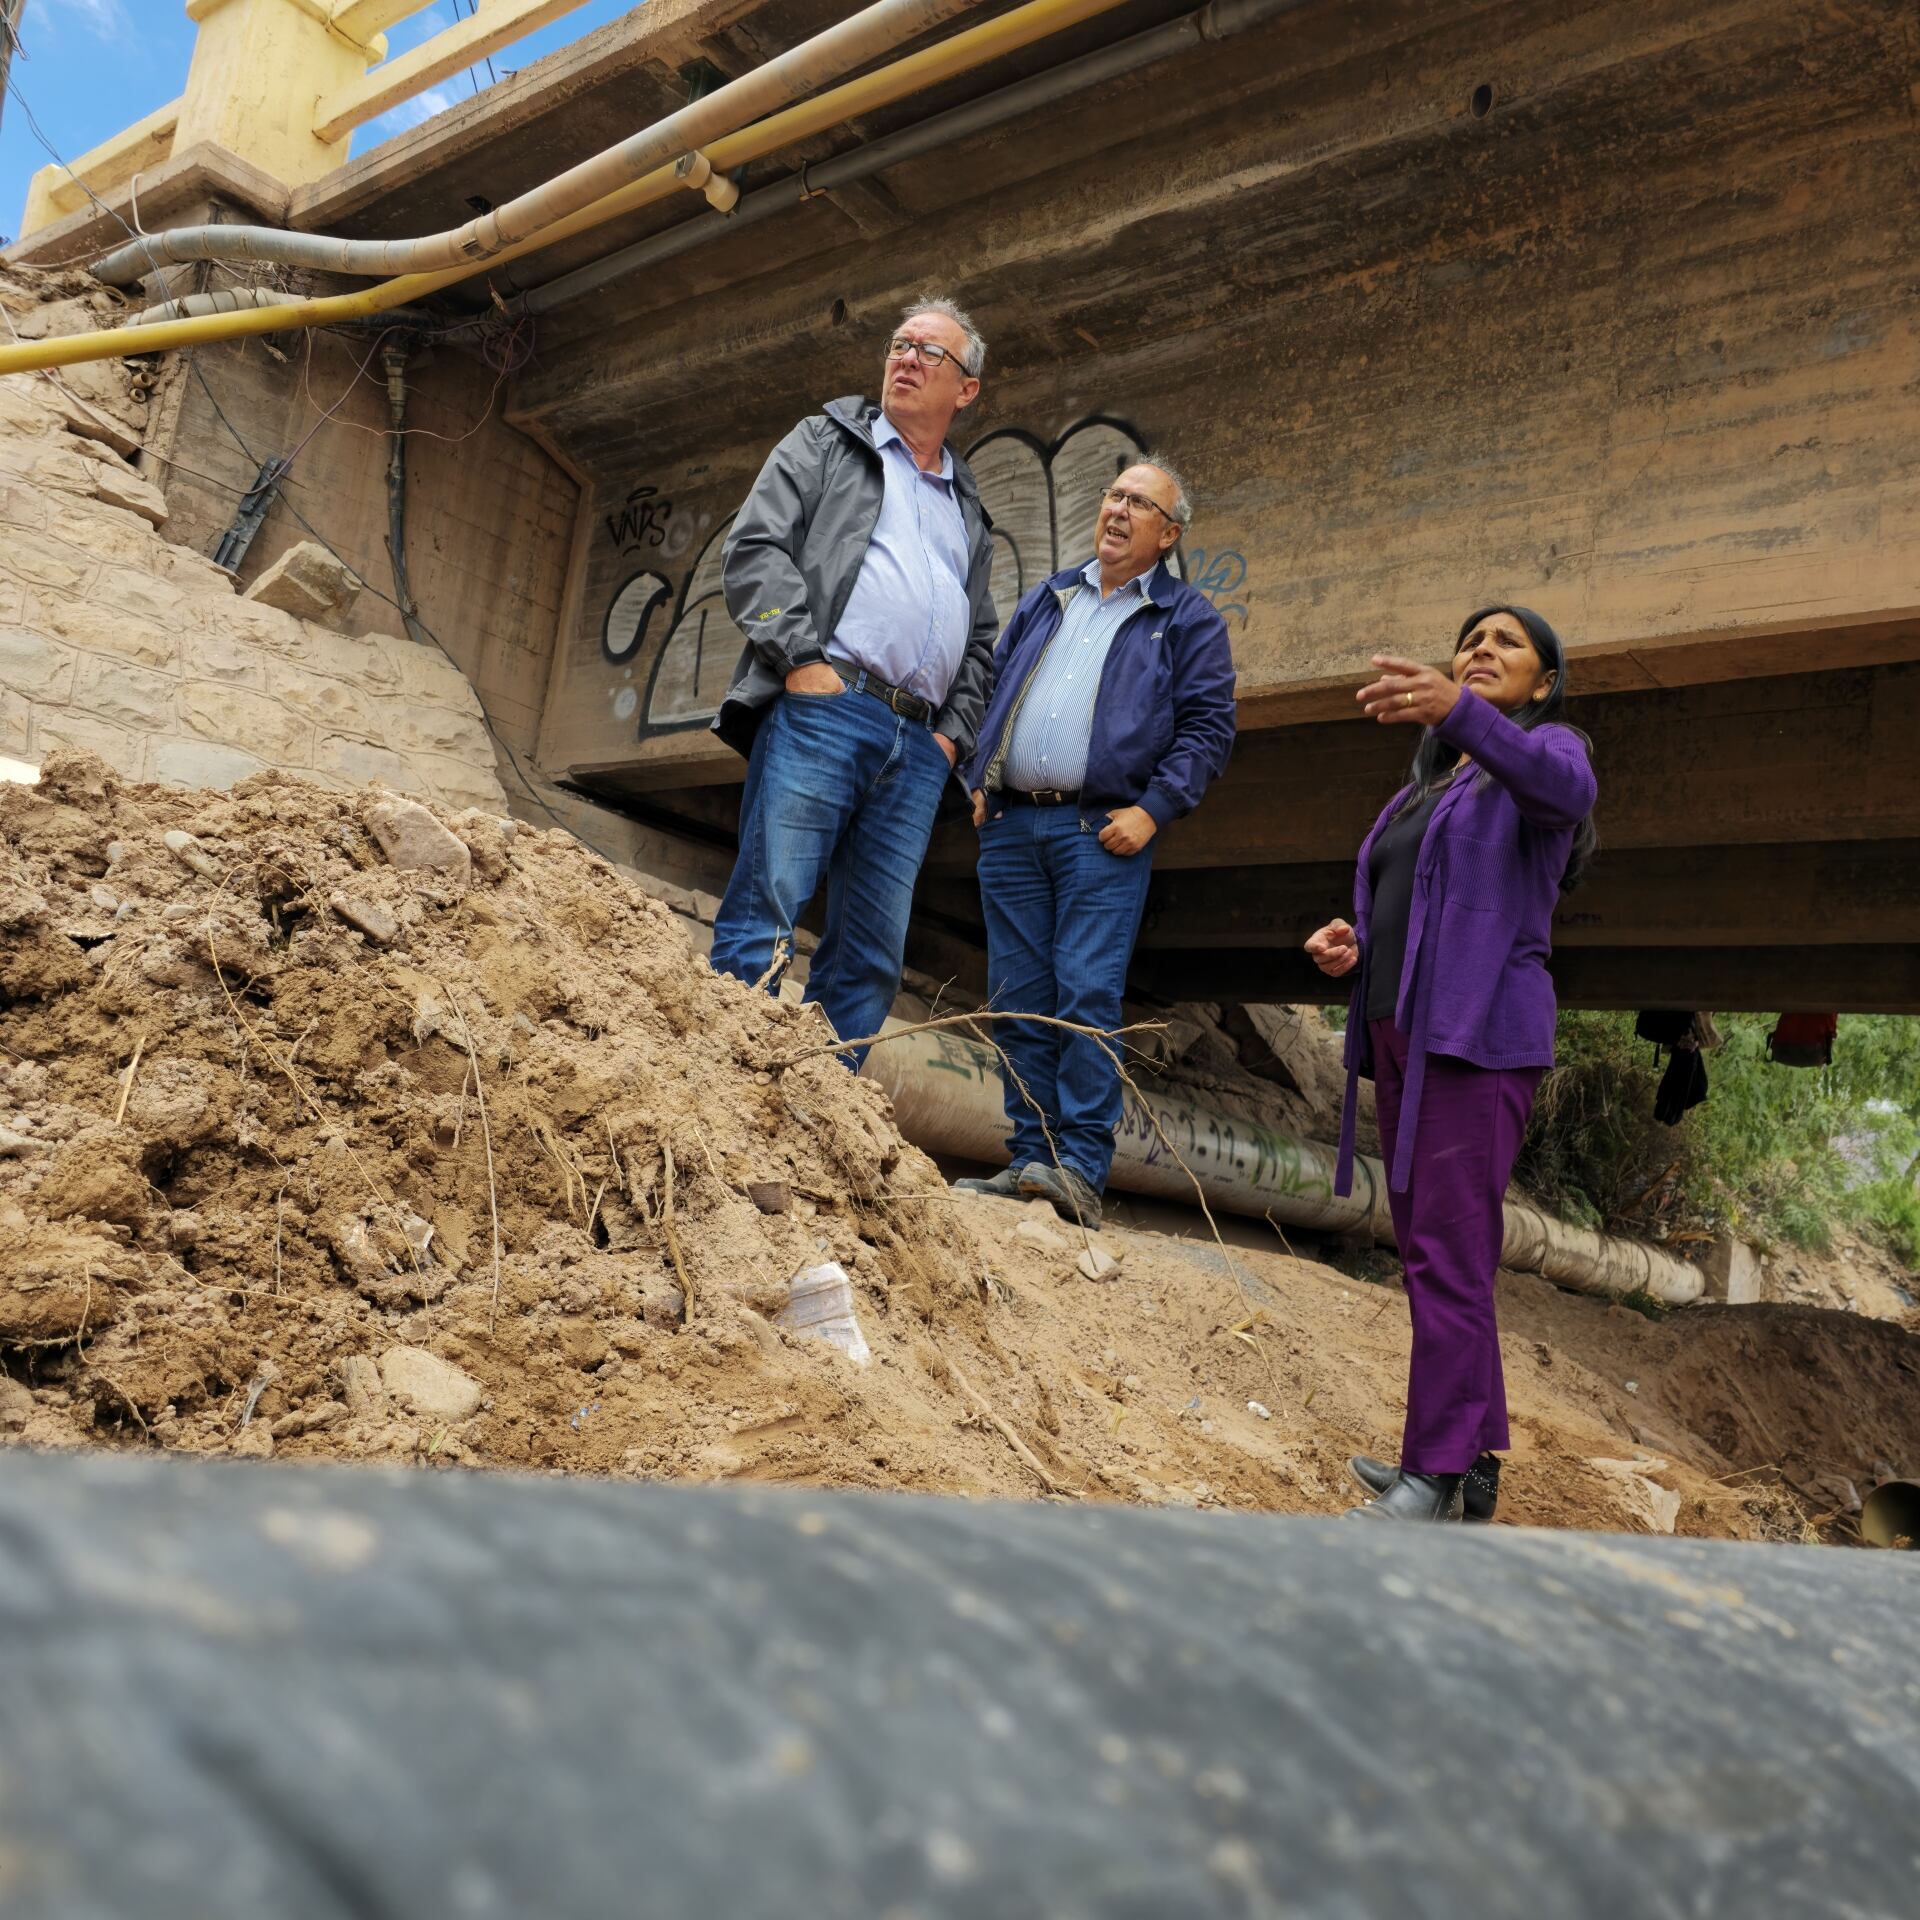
275, 1062
338, 1125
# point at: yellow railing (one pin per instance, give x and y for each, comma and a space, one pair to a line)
283, 84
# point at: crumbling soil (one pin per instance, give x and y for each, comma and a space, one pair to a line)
301, 1091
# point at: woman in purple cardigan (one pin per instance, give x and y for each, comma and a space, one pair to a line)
1452, 1015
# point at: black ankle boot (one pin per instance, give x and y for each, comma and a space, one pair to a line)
1416, 1496
1479, 1487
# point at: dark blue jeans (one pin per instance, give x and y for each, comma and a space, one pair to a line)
842, 789
1062, 914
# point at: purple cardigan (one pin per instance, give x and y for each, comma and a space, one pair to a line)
1474, 984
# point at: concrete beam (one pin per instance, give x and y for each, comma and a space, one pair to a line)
1820, 894
401, 79
379, 189
1867, 979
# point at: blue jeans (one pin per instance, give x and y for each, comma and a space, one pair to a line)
842, 789
1062, 914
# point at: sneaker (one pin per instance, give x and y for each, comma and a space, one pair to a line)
1073, 1198
1004, 1185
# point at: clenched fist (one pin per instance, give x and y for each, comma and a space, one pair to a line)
1128, 829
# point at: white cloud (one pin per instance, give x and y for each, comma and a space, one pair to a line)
410, 113
104, 19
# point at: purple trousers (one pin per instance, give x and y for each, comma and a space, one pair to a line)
1449, 1225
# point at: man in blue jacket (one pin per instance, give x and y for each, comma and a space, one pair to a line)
1112, 709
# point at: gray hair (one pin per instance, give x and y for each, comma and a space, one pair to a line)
976, 360
1182, 504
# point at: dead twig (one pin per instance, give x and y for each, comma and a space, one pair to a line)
713, 1166
673, 1238
782, 953
1281, 1231
486, 1133
126, 1079
127, 1400
72, 1339
1101, 1034
1026, 1454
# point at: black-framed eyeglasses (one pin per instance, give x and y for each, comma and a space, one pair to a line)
1120, 497
928, 352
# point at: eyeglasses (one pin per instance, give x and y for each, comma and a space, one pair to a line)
1120, 497
929, 353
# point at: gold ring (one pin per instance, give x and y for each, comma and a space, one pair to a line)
1408, 698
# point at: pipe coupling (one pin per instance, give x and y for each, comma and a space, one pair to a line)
695, 170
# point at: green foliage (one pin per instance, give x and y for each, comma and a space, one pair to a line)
1776, 1153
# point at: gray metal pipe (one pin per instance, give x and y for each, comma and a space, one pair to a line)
1219, 21
315, 1693
875, 30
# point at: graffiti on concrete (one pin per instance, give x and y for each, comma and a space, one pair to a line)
637, 602
1175, 1131
685, 632
1042, 497
1175, 1136
968, 1059
641, 522
1217, 575
702, 650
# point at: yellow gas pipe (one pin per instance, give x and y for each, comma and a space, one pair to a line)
896, 81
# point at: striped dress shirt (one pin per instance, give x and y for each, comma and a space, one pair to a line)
1047, 747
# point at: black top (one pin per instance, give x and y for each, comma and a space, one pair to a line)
1390, 869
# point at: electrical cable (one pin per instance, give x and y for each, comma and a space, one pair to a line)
505, 745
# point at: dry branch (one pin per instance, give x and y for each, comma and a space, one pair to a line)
673, 1238
486, 1133
1020, 1447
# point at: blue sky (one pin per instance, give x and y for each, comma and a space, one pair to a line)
90, 67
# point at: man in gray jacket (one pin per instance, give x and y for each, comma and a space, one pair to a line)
859, 569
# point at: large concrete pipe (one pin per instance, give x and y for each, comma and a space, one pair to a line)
235, 1691
1890, 1515
947, 1096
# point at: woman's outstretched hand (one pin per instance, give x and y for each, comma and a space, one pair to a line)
1334, 949
1407, 691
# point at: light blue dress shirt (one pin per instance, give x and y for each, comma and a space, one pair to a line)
1054, 722
907, 618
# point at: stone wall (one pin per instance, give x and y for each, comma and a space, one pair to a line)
116, 640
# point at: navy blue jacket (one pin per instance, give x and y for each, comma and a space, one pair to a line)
1163, 720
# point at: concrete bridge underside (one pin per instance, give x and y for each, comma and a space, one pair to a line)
1608, 307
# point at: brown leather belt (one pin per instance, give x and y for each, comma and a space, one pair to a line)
909, 706
1041, 797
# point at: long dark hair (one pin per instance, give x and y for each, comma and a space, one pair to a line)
1434, 758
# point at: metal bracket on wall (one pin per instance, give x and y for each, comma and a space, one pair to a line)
246, 522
